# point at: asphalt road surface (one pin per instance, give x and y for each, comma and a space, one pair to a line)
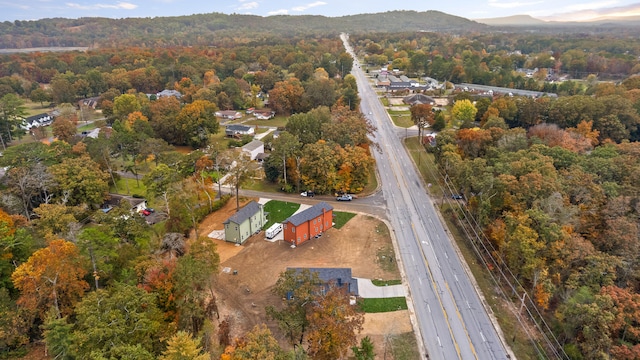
452, 320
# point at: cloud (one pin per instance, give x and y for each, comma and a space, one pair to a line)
118, 5
279, 12
309, 6
590, 6
596, 13
511, 4
247, 5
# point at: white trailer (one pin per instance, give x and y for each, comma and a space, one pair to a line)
273, 230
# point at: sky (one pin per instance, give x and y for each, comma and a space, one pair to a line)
561, 10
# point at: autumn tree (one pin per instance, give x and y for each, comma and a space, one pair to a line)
63, 129
111, 321
52, 277
333, 325
286, 96
422, 116
319, 166
182, 346
164, 111
258, 343
308, 127
463, 111
196, 122
80, 181
298, 288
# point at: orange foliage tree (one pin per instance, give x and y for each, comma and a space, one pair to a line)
51, 277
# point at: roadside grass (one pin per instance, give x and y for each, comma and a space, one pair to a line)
128, 186
86, 127
341, 218
372, 184
383, 304
426, 166
279, 211
401, 118
385, 257
261, 185
377, 282
278, 121
404, 346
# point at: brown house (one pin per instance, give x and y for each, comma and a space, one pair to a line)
308, 223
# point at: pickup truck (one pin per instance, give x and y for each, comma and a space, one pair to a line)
345, 197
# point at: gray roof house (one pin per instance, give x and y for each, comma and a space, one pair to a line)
340, 277
247, 221
254, 148
238, 130
416, 99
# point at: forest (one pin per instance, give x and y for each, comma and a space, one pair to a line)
549, 182
70, 268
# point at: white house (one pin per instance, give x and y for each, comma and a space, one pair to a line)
238, 130
254, 148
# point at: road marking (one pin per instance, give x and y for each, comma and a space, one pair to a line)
420, 279
482, 335
429, 308
468, 306
455, 277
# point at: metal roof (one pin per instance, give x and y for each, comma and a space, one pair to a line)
243, 214
309, 214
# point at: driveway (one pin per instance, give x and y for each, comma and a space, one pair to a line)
366, 289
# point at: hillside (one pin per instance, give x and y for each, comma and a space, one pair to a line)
207, 29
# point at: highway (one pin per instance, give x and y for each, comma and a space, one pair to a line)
451, 319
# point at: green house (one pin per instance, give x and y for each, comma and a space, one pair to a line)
247, 221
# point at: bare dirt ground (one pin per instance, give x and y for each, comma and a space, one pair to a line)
243, 297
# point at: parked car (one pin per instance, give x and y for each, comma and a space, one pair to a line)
308, 193
151, 210
457, 197
145, 212
345, 197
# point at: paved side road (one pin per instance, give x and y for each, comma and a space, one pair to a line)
367, 290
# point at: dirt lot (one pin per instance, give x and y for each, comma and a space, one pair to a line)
357, 245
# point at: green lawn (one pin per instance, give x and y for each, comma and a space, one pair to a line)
128, 186
401, 118
377, 282
383, 305
278, 121
279, 211
341, 218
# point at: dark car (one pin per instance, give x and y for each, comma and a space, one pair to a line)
457, 197
345, 197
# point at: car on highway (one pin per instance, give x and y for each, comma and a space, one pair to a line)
370, 113
344, 197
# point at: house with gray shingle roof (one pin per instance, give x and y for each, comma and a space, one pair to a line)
307, 224
340, 277
247, 221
